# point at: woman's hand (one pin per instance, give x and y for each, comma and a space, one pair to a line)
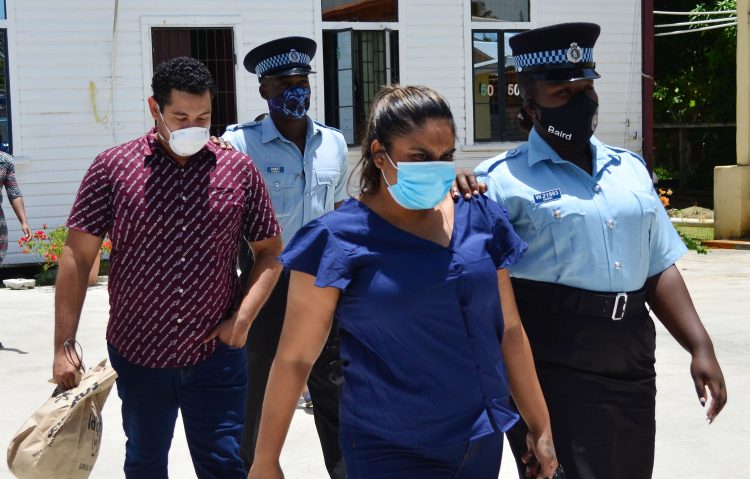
706, 373
540, 458
219, 141
466, 185
26, 230
265, 471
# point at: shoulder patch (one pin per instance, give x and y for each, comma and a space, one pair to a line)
240, 126
326, 126
623, 152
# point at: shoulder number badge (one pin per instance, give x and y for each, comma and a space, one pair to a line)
547, 196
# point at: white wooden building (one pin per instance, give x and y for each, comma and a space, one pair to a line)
78, 72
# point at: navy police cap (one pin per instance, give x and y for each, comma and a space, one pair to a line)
283, 56
562, 52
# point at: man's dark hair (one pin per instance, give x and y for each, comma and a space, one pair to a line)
183, 74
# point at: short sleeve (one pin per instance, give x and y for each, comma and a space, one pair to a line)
316, 251
11, 184
665, 244
92, 209
259, 220
506, 247
341, 192
236, 137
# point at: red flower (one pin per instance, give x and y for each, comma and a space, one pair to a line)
44, 226
53, 257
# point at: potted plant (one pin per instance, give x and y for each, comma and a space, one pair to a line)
49, 245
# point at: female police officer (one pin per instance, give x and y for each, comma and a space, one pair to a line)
600, 246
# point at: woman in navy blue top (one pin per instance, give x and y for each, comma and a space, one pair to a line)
431, 342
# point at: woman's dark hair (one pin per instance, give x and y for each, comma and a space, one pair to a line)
397, 111
183, 74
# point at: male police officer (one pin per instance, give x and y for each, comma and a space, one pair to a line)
600, 246
304, 165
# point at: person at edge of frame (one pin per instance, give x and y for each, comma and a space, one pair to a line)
601, 247
174, 205
304, 164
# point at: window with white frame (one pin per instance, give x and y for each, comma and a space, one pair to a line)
506, 10
497, 100
360, 55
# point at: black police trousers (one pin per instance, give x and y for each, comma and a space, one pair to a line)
598, 379
262, 342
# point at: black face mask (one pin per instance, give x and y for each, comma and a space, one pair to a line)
571, 124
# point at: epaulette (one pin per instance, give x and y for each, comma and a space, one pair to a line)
508, 155
240, 126
623, 151
327, 126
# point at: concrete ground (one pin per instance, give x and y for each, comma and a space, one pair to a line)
686, 447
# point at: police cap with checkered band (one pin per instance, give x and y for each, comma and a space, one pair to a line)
558, 53
282, 57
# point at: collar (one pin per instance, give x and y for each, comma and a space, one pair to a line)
269, 132
540, 150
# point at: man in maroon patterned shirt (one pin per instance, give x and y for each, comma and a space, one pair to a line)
174, 207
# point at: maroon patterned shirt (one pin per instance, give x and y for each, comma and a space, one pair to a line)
175, 232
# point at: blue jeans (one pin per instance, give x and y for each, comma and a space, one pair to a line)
211, 397
369, 457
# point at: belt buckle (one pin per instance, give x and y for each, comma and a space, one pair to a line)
624, 298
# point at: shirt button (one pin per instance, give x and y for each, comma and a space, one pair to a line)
184, 197
556, 214
597, 188
618, 265
180, 290
182, 259
611, 224
179, 320
277, 184
184, 228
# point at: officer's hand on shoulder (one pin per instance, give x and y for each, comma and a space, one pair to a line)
466, 185
221, 143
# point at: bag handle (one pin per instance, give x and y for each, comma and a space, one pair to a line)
71, 347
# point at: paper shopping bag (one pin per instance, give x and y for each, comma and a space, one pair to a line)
62, 438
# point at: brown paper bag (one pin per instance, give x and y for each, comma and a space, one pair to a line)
63, 436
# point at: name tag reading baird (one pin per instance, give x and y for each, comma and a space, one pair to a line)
547, 196
274, 169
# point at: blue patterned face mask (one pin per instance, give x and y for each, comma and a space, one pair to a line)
292, 103
421, 185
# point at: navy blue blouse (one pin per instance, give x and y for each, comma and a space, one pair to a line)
420, 324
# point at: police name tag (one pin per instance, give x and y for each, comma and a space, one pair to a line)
547, 196
274, 169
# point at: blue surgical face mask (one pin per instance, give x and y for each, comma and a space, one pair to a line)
421, 185
292, 103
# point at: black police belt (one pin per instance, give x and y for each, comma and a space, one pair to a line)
557, 298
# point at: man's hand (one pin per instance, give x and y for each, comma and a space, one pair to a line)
224, 145
232, 332
466, 184
265, 471
540, 459
65, 374
706, 373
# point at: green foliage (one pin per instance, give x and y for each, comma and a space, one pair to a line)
693, 243
663, 173
695, 72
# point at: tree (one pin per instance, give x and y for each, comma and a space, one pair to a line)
695, 72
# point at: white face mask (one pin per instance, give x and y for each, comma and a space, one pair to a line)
187, 141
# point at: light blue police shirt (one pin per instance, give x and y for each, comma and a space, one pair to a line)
602, 232
302, 187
